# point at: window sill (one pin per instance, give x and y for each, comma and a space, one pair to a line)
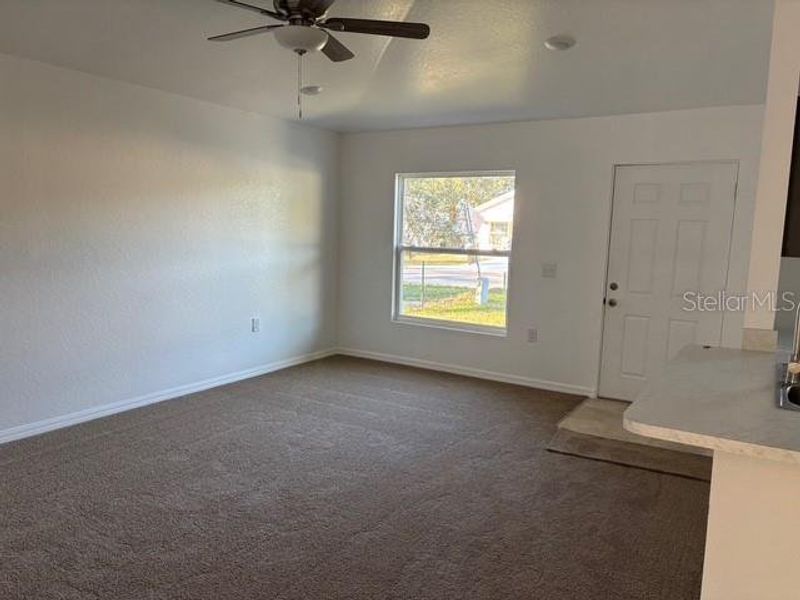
500, 332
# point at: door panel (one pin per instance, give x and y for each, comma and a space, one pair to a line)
681, 333
689, 244
642, 253
634, 345
670, 233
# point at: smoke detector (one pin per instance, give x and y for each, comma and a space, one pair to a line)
559, 42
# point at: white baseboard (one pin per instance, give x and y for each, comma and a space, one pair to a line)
96, 412
89, 414
542, 384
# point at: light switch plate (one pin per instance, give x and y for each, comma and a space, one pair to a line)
549, 270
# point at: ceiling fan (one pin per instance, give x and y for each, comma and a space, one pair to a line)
306, 29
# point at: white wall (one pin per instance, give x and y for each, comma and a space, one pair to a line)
776, 156
140, 231
564, 180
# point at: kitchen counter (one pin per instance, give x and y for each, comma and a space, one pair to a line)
725, 400
721, 399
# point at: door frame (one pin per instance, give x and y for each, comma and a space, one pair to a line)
607, 255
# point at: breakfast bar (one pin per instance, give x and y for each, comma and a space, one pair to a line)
725, 400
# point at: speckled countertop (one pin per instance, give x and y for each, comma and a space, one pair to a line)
721, 399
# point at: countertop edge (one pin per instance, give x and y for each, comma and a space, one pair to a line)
711, 442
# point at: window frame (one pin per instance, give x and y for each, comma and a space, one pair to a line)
399, 248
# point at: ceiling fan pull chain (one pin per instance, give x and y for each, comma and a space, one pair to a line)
300, 86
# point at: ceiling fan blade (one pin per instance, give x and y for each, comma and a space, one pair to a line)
244, 33
316, 7
336, 50
258, 9
417, 31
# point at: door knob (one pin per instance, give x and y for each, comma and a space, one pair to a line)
612, 302
613, 285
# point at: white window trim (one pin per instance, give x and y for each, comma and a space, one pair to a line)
399, 248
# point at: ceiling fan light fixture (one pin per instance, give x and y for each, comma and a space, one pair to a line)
301, 38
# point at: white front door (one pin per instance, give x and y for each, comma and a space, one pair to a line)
670, 234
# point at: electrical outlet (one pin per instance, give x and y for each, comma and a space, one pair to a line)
255, 324
533, 335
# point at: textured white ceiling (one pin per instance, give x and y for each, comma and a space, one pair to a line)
484, 61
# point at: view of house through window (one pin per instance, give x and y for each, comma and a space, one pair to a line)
453, 247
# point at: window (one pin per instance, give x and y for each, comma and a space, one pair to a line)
452, 249
500, 234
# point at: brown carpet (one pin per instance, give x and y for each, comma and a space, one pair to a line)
343, 478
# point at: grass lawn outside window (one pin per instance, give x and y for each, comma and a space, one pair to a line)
451, 303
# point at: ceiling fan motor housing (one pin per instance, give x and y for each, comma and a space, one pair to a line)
301, 38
